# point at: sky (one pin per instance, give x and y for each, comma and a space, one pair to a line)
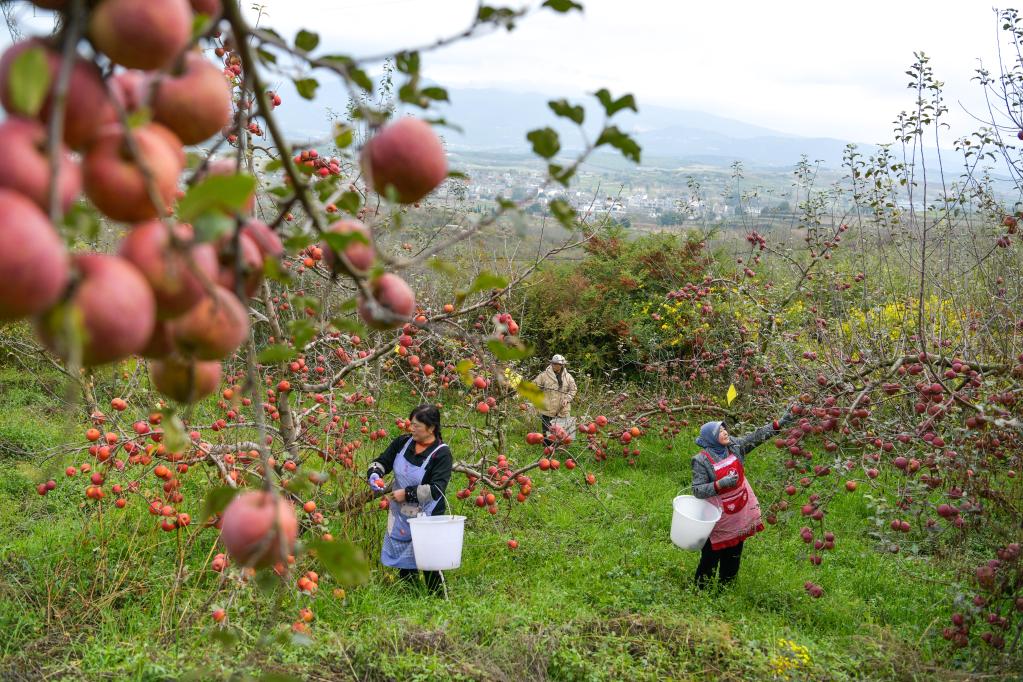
815, 68
820, 68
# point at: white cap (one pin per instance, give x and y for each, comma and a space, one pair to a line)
558, 360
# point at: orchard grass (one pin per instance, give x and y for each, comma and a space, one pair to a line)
595, 590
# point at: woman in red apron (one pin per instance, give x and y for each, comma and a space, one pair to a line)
719, 478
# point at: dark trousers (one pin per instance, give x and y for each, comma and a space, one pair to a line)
545, 428
723, 563
411, 576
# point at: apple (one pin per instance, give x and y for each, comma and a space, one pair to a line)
33, 260
252, 263
213, 328
185, 380
406, 156
87, 108
210, 8
393, 295
360, 255
176, 275
193, 100
266, 239
114, 182
114, 306
141, 34
25, 165
259, 529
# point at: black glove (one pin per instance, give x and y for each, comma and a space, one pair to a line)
729, 481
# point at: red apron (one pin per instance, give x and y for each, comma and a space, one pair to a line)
740, 510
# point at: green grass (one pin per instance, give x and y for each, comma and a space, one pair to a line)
595, 591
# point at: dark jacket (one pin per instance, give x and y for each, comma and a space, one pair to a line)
435, 480
703, 470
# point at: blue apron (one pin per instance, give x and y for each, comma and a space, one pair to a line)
397, 549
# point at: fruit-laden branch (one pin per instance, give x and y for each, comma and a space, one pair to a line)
377, 352
683, 408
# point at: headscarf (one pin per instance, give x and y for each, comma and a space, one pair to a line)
708, 439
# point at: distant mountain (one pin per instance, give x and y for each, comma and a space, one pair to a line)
498, 120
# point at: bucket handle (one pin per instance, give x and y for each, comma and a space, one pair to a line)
447, 505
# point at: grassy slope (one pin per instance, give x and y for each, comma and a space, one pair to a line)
595, 591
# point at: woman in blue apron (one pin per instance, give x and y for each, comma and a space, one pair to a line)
421, 463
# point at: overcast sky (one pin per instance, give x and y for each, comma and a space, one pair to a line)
820, 67
805, 67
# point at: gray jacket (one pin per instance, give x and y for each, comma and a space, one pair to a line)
703, 471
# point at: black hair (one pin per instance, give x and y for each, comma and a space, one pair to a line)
428, 415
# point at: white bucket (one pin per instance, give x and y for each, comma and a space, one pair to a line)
692, 521
437, 541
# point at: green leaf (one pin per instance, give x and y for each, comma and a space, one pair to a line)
464, 367
298, 242
407, 62
302, 330
621, 141
562, 108
211, 226
563, 212
560, 173
438, 264
509, 350
545, 142
307, 40
531, 392
272, 270
350, 202
175, 437
339, 241
216, 501
350, 326
487, 280
343, 560
306, 87
278, 352
435, 93
29, 82
303, 302
226, 637
562, 5
228, 193
273, 165
266, 56
613, 106
344, 135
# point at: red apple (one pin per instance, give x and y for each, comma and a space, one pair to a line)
266, 239
25, 164
395, 297
33, 261
259, 529
184, 380
114, 182
408, 156
360, 255
141, 34
213, 328
194, 100
116, 308
176, 275
210, 8
252, 263
87, 108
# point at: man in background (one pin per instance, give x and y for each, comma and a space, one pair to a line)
559, 389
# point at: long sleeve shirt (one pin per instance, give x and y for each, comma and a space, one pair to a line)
703, 470
435, 479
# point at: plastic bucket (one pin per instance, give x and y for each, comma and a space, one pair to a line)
437, 541
692, 520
